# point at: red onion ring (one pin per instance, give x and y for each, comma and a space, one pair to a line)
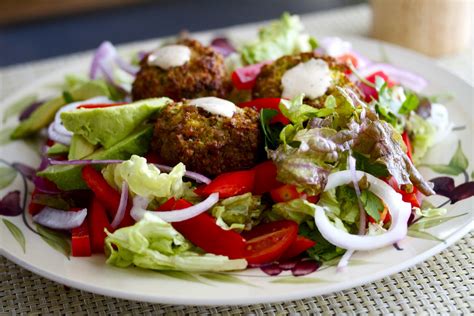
59, 219
189, 174
122, 206
399, 211
140, 203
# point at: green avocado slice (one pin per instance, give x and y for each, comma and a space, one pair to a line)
109, 125
68, 177
44, 114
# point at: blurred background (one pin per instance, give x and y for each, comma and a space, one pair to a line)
37, 29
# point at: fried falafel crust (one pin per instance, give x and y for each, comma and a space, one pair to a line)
268, 82
203, 75
207, 143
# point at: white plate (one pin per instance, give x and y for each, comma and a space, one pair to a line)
251, 286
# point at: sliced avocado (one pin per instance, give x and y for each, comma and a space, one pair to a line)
57, 149
44, 114
80, 148
109, 125
68, 177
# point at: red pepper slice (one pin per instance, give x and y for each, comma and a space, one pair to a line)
265, 177
80, 241
267, 103
267, 242
348, 59
407, 142
244, 78
105, 194
34, 208
229, 184
203, 232
411, 197
100, 105
369, 92
98, 221
300, 245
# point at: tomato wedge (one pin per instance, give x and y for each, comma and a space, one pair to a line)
300, 245
265, 178
100, 105
267, 103
244, 78
229, 184
284, 193
203, 232
267, 242
80, 241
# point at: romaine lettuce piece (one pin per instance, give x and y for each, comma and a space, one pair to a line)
282, 37
146, 179
154, 244
241, 212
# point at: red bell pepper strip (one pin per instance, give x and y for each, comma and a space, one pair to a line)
98, 222
106, 194
244, 78
267, 242
410, 197
300, 245
267, 103
229, 184
100, 105
80, 241
407, 142
370, 92
348, 59
203, 232
284, 193
265, 178
34, 208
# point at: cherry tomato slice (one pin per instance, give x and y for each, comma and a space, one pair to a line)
348, 59
267, 242
229, 184
300, 245
265, 178
284, 193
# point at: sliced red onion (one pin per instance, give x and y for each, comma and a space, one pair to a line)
249, 73
223, 46
344, 261
362, 218
399, 211
27, 171
104, 54
58, 137
122, 206
140, 203
125, 66
189, 212
58, 219
272, 269
334, 46
84, 162
406, 78
189, 174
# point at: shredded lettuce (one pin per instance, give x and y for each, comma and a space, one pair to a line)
154, 244
146, 179
282, 37
298, 210
422, 134
241, 212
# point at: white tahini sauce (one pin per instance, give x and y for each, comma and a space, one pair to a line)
215, 106
312, 78
170, 56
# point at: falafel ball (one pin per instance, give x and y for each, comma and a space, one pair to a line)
208, 143
268, 82
203, 75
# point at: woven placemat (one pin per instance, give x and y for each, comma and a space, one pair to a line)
443, 284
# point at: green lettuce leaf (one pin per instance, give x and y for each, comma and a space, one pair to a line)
154, 244
322, 250
298, 210
241, 212
422, 134
282, 37
146, 179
